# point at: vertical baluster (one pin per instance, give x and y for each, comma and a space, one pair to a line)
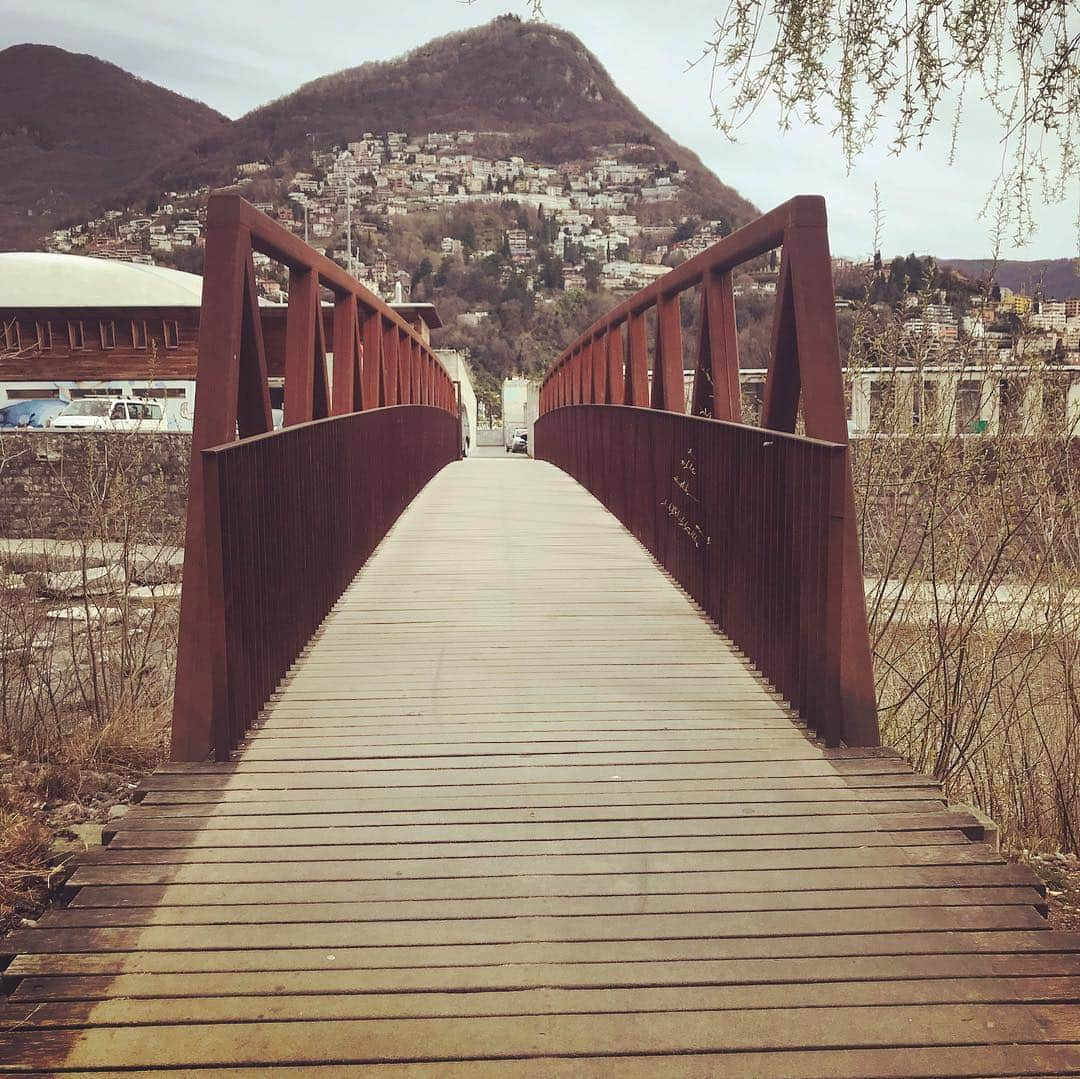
600, 371
300, 346
716, 379
373, 359
415, 361
615, 362
228, 248
346, 358
637, 380
388, 394
668, 391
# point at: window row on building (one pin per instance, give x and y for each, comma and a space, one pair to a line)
968, 401
79, 335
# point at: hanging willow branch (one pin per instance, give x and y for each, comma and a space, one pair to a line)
853, 63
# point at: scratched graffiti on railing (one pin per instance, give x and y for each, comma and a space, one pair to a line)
686, 481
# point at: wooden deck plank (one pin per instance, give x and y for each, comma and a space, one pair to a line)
504, 1037
532, 1001
776, 868
420, 793
327, 851
486, 931
569, 825
366, 808
573, 834
93, 908
819, 972
881, 944
971, 1062
641, 883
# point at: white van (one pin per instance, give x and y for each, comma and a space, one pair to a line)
111, 414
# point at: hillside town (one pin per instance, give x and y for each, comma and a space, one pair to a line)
615, 222
1011, 325
361, 188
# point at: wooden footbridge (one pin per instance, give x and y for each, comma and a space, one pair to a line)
564, 767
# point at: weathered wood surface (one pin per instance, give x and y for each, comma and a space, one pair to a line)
520, 811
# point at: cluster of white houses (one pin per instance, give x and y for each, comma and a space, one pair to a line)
397, 173
391, 174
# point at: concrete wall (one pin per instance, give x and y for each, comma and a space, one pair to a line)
50, 483
454, 362
532, 414
515, 395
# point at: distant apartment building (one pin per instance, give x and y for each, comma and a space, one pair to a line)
517, 241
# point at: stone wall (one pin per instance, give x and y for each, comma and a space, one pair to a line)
62, 486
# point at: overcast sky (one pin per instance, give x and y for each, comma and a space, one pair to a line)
237, 54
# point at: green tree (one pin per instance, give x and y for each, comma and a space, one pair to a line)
423, 270
915, 272
685, 229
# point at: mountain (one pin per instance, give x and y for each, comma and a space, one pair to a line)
532, 80
75, 130
1057, 279
84, 135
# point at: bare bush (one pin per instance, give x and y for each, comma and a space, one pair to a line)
966, 482
86, 647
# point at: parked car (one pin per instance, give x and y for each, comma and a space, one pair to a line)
520, 442
111, 414
36, 412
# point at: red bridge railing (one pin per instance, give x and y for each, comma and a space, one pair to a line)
280, 521
756, 523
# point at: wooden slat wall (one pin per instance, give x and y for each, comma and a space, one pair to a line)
520, 811
125, 361
93, 363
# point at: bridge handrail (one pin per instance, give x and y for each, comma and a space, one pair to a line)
609, 365
379, 361
291, 519
757, 238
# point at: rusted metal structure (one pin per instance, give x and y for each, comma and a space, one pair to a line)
757, 524
279, 522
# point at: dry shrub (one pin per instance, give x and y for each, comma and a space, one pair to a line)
971, 550
89, 678
133, 741
24, 853
57, 781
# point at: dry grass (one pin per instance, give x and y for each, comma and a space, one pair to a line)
86, 681
90, 677
971, 544
25, 844
131, 741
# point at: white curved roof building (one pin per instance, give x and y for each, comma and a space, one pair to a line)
36, 279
